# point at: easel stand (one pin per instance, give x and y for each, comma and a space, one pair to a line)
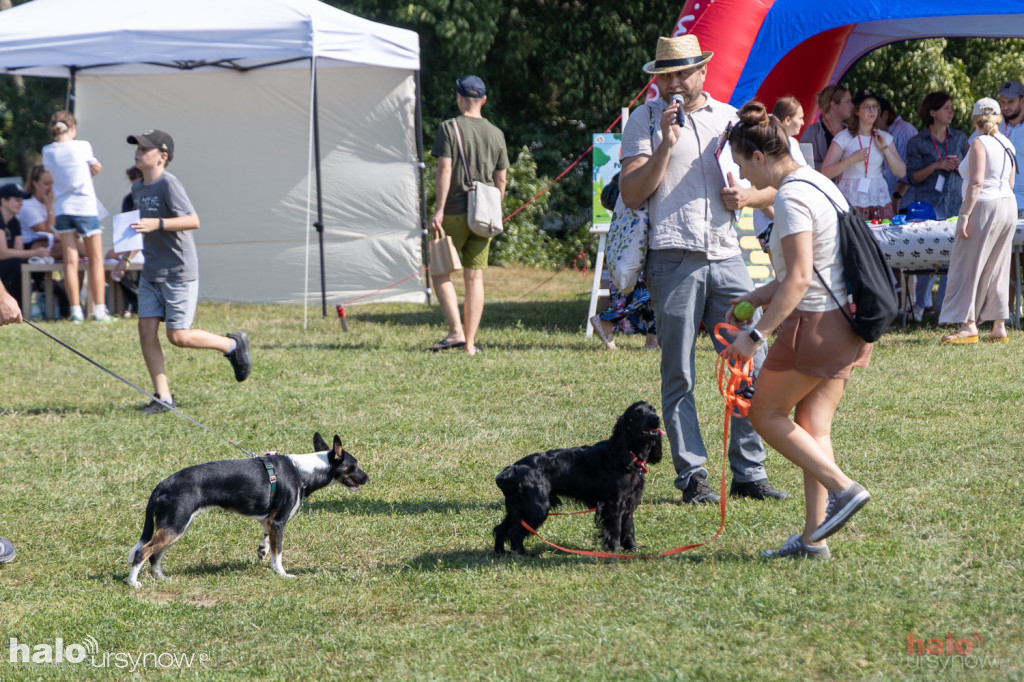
596, 291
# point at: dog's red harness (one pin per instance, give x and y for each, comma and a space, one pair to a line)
734, 382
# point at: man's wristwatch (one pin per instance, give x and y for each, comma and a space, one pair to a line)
756, 336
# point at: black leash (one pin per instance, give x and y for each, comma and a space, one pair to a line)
142, 391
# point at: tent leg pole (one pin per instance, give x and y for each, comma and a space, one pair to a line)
69, 103
423, 193
319, 224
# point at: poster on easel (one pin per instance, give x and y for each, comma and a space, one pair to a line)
606, 164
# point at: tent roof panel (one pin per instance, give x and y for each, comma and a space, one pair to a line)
46, 37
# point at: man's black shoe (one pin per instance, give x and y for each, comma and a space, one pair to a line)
698, 492
760, 489
239, 357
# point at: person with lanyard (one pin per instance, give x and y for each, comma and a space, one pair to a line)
933, 156
856, 157
1011, 106
836, 107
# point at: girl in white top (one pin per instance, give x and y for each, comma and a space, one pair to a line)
37, 216
72, 164
810, 380
979, 266
856, 158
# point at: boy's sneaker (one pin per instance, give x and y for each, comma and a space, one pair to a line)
840, 509
76, 318
156, 407
239, 357
698, 492
103, 317
796, 548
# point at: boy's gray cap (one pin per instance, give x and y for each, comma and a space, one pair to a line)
154, 139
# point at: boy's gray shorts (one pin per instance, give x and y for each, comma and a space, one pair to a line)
173, 301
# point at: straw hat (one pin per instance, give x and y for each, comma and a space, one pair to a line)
677, 54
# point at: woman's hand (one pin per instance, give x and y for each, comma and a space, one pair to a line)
743, 348
730, 317
880, 141
39, 252
961, 225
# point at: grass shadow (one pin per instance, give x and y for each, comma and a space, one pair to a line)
547, 556
536, 315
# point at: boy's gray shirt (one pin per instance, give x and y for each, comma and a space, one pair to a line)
170, 256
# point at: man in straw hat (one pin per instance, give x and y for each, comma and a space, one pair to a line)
695, 265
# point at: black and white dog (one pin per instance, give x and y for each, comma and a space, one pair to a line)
245, 486
608, 476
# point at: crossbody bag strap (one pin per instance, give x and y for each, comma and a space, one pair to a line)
839, 212
1013, 159
462, 152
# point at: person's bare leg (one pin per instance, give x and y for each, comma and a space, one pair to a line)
473, 306
153, 354
69, 244
198, 338
97, 278
448, 299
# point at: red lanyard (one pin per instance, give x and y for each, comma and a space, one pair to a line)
868, 159
830, 131
945, 145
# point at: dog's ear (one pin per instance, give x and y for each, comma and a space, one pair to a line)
319, 444
338, 452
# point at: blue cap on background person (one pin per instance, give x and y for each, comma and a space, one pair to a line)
1011, 89
13, 189
471, 86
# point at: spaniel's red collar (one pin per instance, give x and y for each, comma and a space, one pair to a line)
639, 462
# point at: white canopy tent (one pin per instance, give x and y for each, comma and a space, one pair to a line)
246, 87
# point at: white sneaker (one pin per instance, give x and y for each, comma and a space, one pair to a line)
103, 317
77, 318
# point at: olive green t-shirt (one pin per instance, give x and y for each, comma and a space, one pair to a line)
485, 153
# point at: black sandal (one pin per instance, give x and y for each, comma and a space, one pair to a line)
445, 344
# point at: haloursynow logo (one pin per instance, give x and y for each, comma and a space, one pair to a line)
88, 652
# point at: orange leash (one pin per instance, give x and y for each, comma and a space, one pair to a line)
734, 383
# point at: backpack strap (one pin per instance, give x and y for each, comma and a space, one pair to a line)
839, 212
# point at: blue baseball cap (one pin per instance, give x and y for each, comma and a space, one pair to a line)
471, 86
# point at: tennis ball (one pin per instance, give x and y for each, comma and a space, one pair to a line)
743, 311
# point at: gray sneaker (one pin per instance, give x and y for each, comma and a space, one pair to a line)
7, 552
840, 508
796, 548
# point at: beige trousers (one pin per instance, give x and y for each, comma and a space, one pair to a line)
977, 289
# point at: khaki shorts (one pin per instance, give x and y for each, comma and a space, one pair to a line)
820, 345
472, 248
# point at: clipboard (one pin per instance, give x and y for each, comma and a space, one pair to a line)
125, 238
727, 165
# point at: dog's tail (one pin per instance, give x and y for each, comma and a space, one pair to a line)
147, 530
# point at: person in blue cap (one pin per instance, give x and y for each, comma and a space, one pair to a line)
486, 160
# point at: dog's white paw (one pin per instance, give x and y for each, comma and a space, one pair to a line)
287, 575
135, 583
262, 552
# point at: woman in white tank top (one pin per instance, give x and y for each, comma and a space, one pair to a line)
979, 267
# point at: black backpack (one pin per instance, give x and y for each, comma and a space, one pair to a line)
873, 300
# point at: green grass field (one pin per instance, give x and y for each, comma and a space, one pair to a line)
398, 581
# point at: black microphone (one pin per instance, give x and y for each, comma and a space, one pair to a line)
680, 115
